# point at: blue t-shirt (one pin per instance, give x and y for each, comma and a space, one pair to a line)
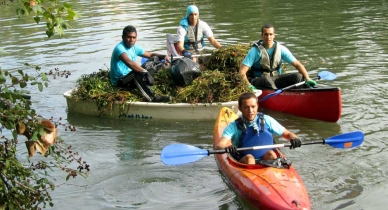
117, 67
254, 55
232, 132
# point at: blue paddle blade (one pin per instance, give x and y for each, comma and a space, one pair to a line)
327, 75
178, 154
346, 140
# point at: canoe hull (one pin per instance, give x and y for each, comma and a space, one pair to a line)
316, 103
146, 110
263, 187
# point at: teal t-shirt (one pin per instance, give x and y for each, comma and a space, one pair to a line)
117, 67
254, 55
232, 132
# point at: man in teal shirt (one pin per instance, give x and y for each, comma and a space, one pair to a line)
126, 73
253, 129
265, 59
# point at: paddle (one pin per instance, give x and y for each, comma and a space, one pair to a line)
324, 75
143, 60
177, 154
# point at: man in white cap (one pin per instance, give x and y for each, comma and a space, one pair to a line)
191, 33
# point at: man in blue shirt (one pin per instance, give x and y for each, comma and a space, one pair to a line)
265, 59
253, 129
126, 73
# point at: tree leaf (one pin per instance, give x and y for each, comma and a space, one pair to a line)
37, 19
20, 12
2, 79
23, 84
44, 77
15, 80
67, 5
40, 86
50, 33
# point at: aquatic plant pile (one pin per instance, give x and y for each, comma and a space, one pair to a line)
219, 82
228, 57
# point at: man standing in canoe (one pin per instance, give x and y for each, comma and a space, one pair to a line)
253, 129
265, 60
191, 33
126, 73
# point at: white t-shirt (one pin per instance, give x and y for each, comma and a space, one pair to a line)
181, 33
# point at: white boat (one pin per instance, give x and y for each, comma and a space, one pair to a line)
151, 110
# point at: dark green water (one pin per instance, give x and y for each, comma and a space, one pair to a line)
348, 38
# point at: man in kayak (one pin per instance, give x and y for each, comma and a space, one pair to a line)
265, 59
191, 33
126, 73
253, 129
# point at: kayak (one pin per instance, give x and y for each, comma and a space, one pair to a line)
264, 187
321, 103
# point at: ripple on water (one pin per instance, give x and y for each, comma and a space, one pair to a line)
174, 188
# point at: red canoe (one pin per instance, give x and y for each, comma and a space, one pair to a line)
322, 103
264, 187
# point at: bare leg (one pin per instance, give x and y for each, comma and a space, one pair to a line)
270, 155
248, 159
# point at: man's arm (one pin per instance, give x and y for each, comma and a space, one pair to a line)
293, 138
131, 64
289, 135
301, 69
214, 42
180, 46
223, 143
243, 71
160, 56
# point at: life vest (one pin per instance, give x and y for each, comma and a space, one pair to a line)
269, 66
194, 40
254, 136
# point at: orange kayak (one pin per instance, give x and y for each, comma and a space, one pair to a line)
264, 187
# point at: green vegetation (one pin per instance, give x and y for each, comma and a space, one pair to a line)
26, 185
56, 13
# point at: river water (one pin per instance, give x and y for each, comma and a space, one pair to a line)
348, 38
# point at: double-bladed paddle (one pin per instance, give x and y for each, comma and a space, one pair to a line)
323, 75
177, 154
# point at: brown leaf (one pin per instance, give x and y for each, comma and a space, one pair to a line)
31, 148
42, 147
50, 133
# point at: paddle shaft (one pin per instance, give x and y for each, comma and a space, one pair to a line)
286, 88
194, 56
264, 147
299, 84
